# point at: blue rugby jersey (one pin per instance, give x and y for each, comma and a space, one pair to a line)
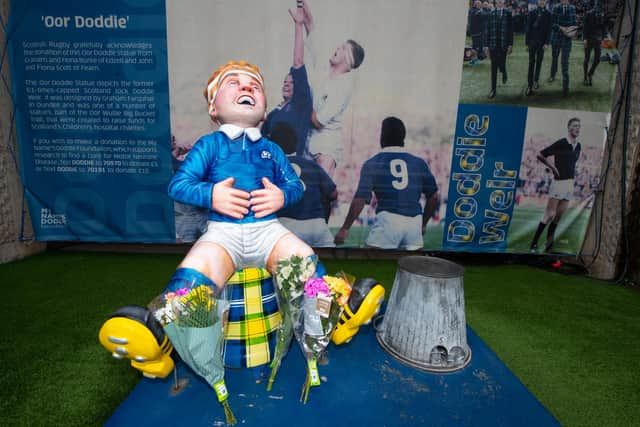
317, 188
297, 112
398, 179
216, 157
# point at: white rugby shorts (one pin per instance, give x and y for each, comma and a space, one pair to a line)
561, 189
394, 231
248, 245
314, 232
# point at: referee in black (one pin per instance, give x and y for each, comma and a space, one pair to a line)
565, 152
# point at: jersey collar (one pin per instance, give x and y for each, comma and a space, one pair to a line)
394, 149
233, 132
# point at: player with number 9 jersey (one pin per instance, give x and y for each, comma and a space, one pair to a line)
398, 179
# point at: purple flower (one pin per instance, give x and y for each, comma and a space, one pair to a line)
315, 286
182, 291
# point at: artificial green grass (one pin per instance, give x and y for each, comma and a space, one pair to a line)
571, 340
55, 370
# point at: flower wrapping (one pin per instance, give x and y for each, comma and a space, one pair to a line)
323, 302
193, 317
290, 276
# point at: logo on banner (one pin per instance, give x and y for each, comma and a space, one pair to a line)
48, 219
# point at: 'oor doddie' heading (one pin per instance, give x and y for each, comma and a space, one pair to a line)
100, 21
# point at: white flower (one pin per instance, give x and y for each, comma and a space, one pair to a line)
307, 268
164, 315
175, 307
285, 272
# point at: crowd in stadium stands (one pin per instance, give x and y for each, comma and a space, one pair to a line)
520, 10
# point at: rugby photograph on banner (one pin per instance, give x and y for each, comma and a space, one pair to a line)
559, 175
559, 54
366, 116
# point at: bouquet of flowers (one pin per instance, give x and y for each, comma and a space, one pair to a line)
193, 316
323, 302
291, 274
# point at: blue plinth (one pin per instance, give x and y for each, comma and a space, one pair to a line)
362, 386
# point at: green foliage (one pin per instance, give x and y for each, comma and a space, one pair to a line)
571, 340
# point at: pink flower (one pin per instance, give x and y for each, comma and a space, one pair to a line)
315, 286
182, 291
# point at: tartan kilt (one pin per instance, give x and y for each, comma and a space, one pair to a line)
254, 317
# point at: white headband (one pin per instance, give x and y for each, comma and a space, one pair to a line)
212, 88
349, 55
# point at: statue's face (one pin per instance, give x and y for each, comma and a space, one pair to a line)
240, 101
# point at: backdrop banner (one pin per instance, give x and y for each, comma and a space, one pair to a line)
484, 173
92, 112
543, 72
433, 125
